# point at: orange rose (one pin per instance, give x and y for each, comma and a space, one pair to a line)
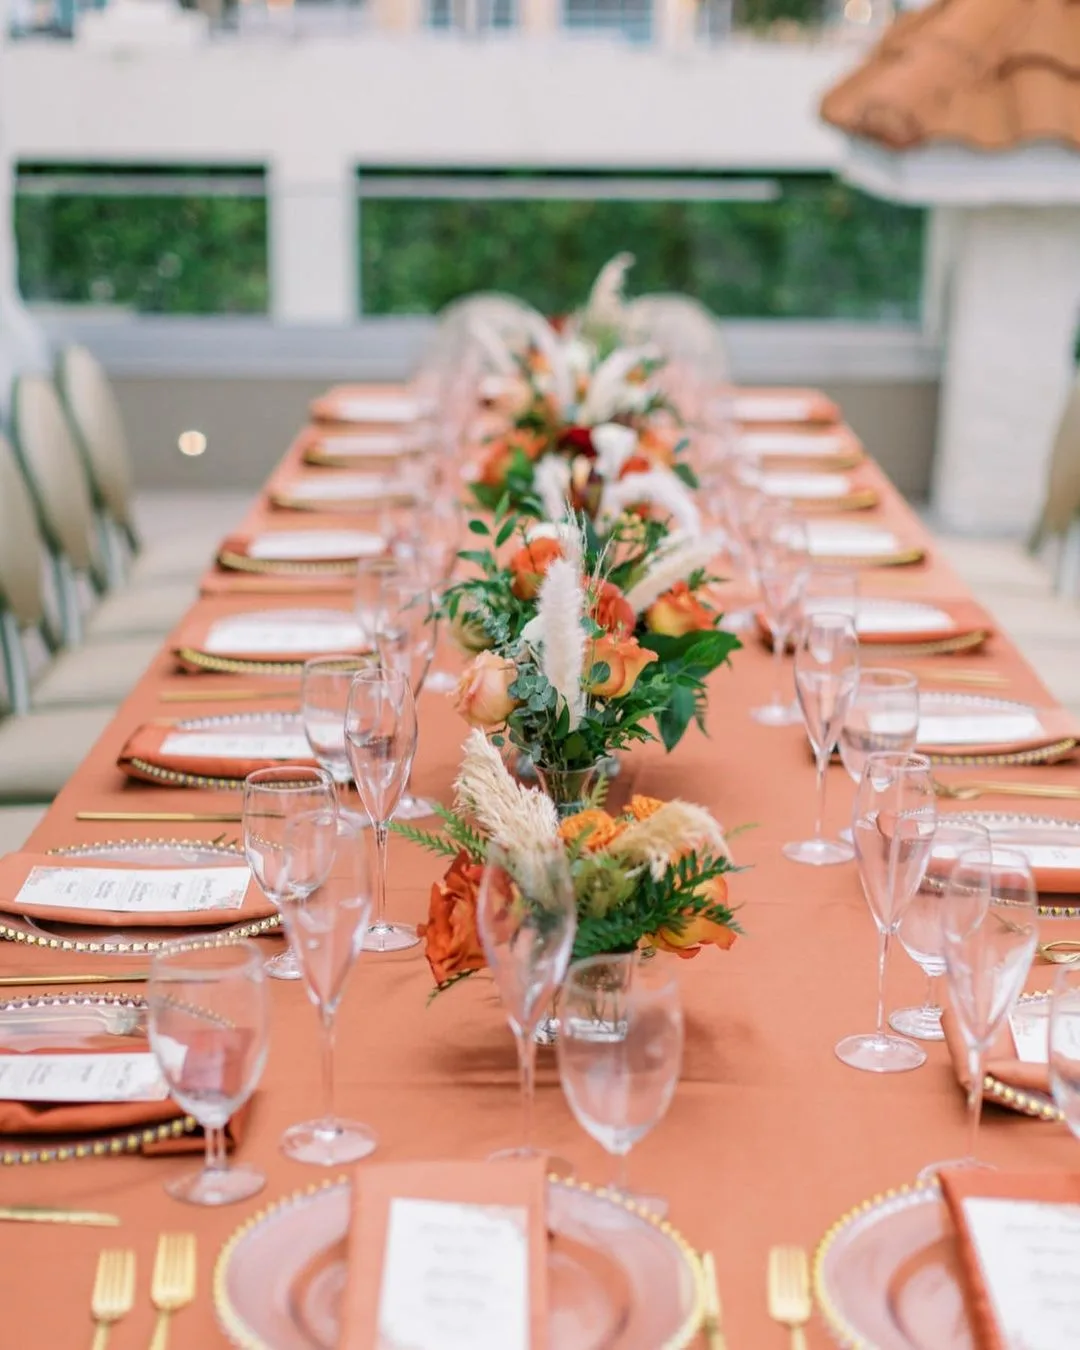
482, 695
612, 611
658, 444
698, 931
679, 611
641, 808
635, 464
530, 565
601, 828
452, 943
503, 451
625, 659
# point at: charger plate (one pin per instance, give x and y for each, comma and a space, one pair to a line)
950, 731
1051, 845
218, 751
300, 1240
342, 491
887, 1275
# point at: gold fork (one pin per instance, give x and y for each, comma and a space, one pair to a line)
789, 1291
173, 1283
969, 792
113, 1295
710, 1322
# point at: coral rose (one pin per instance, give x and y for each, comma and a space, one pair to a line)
503, 451
678, 612
625, 659
451, 941
600, 828
482, 695
698, 931
612, 611
658, 444
530, 565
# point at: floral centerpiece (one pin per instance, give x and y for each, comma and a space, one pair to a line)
653, 876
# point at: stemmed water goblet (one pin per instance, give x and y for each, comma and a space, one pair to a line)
1064, 1045
327, 926
324, 694
273, 797
989, 925
920, 929
406, 643
620, 1052
884, 715
208, 1023
380, 736
826, 678
526, 917
781, 569
894, 820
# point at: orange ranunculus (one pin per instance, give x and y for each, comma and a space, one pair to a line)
679, 611
530, 565
612, 611
502, 452
625, 659
641, 808
451, 941
601, 827
698, 931
658, 444
482, 695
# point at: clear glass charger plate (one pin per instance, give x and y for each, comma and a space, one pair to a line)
1051, 845
136, 941
887, 1275
72, 1022
617, 1278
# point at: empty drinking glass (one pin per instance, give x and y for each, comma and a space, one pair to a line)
380, 735
208, 1020
406, 642
526, 915
920, 928
826, 678
782, 570
324, 693
832, 589
273, 797
327, 927
620, 1051
1064, 1045
894, 821
884, 715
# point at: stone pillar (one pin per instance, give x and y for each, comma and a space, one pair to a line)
539, 17
1013, 308
313, 241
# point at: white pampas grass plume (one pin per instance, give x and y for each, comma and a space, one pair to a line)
677, 827
493, 346
605, 303
614, 444
609, 391
560, 609
658, 487
673, 563
516, 817
551, 478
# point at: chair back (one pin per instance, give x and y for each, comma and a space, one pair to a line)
684, 328
21, 592
1062, 504
95, 418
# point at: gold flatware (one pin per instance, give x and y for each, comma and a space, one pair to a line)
213, 695
989, 679
90, 1218
174, 817
710, 1322
18, 981
969, 792
789, 1291
173, 1284
113, 1295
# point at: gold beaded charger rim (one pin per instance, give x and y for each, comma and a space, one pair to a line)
296, 567
219, 937
1028, 1103
287, 502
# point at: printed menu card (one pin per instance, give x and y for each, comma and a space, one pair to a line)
448, 1256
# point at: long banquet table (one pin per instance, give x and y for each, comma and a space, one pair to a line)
769, 1139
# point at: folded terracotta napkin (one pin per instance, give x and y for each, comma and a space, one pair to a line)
145, 746
963, 1185
969, 620
1001, 1062
519, 1185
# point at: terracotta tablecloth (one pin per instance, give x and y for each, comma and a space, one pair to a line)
769, 1139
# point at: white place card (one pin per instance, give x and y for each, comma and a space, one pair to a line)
315, 545
345, 486
772, 408
1004, 728
254, 636
377, 409
1029, 1252
792, 443
1047, 857
827, 539
806, 485
81, 1078
455, 1277
238, 745
372, 445
135, 890
884, 616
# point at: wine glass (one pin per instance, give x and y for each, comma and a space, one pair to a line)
526, 916
894, 821
884, 715
380, 736
406, 641
740, 505
327, 927
208, 1020
989, 927
620, 1052
782, 568
835, 589
272, 797
324, 693
432, 542
826, 678
920, 928
1064, 1045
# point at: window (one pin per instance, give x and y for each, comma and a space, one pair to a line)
785, 246
471, 15
632, 18
166, 241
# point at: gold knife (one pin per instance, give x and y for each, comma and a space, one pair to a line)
43, 1214
213, 695
18, 981
175, 817
710, 1322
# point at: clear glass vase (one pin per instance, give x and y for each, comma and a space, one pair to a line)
569, 789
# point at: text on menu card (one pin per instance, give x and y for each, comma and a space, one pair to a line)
135, 890
284, 744
455, 1277
81, 1078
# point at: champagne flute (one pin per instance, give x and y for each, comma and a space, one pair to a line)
989, 924
324, 694
208, 1022
1064, 1045
835, 589
826, 678
526, 916
782, 569
884, 715
620, 1052
272, 797
920, 928
406, 640
894, 821
327, 926
380, 735
433, 542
